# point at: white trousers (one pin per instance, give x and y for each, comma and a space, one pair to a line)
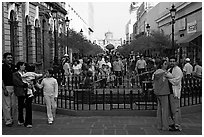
9, 105
51, 107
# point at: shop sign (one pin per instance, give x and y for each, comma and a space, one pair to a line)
191, 27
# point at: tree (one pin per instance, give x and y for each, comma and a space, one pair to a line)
157, 41
84, 46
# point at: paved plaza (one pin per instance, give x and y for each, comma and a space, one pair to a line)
103, 125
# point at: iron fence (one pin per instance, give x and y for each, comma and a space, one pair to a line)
125, 96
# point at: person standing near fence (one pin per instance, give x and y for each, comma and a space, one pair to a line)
175, 94
118, 69
188, 68
8, 97
140, 68
67, 70
161, 90
21, 89
198, 70
50, 91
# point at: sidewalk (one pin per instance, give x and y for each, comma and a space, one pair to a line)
102, 125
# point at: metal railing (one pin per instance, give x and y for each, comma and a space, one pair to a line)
125, 96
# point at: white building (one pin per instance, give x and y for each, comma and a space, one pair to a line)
81, 16
109, 40
133, 18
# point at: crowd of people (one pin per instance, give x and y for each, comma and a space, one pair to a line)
19, 82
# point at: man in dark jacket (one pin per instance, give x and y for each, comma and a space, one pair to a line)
8, 96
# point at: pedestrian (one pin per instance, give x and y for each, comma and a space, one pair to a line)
8, 97
198, 69
20, 89
188, 68
161, 90
175, 94
118, 69
50, 92
76, 68
67, 70
140, 68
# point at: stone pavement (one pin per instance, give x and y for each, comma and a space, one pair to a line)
103, 125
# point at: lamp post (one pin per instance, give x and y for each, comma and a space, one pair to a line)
54, 14
148, 29
173, 13
81, 31
67, 21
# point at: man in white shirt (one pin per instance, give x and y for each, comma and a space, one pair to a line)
140, 68
175, 94
188, 68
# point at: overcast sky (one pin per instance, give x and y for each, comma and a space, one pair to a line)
108, 16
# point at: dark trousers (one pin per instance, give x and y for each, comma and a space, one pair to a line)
118, 79
141, 77
24, 101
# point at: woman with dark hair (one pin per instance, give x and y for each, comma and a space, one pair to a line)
161, 90
20, 90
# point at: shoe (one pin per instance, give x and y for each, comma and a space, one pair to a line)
20, 124
178, 127
29, 126
31, 95
9, 125
49, 122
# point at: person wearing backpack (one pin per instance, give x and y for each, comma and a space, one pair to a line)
161, 90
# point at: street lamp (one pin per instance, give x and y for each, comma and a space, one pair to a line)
67, 21
81, 31
54, 15
173, 13
148, 29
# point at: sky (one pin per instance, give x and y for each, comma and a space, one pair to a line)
108, 16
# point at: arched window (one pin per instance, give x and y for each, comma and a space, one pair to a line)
43, 41
37, 41
28, 41
13, 35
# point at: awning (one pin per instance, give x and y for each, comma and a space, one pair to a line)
189, 38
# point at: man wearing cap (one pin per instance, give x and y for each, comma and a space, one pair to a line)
188, 68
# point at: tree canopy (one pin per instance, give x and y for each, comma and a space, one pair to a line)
78, 42
157, 40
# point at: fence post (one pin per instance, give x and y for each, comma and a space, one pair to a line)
96, 100
103, 100
111, 99
131, 100
124, 99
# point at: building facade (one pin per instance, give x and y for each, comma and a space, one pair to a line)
187, 26
82, 18
187, 29
28, 32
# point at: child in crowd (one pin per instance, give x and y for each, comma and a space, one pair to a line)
29, 78
50, 91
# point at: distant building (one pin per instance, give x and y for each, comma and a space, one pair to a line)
133, 18
109, 40
82, 18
